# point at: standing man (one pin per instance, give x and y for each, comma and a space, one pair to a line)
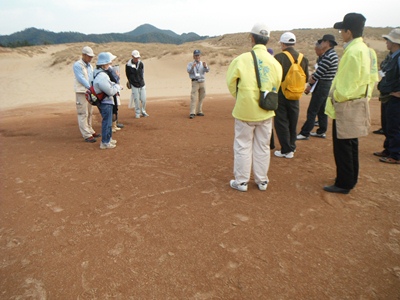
197, 70
253, 125
389, 88
287, 113
322, 79
352, 81
134, 70
83, 72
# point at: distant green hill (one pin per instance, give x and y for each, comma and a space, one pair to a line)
145, 33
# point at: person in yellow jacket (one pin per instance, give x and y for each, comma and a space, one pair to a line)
356, 75
253, 125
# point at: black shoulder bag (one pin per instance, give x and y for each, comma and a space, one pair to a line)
270, 101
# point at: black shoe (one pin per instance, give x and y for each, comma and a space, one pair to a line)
90, 140
379, 131
200, 114
191, 116
316, 123
335, 189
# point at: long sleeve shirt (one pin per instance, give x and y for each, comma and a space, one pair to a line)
242, 83
327, 66
197, 72
353, 75
83, 76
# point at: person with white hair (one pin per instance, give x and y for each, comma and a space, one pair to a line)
102, 83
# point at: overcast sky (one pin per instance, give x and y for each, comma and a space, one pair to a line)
206, 17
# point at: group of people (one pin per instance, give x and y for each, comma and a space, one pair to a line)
337, 87
333, 84
105, 78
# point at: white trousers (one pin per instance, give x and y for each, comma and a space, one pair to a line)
251, 149
85, 115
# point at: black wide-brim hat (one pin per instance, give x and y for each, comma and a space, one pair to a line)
328, 37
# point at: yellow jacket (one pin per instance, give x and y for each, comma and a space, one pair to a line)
242, 83
357, 69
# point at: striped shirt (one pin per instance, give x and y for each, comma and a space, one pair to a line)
327, 66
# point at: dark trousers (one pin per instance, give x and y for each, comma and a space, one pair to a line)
346, 159
285, 121
317, 108
391, 127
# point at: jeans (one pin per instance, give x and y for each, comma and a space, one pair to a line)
106, 123
138, 97
317, 108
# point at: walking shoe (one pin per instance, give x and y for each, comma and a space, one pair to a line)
390, 160
335, 189
383, 153
200, 114
320, 135
316, 123
191, 116
107, 146
96, 135
263, 186
238, 186
145, 114
301, 137
137, 117
90, 140
120, 125
285, 155
379, 131
113, 141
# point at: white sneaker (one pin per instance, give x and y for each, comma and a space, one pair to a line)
238, 186
320, 135
302, 137
137, 116
107, 146
113, 141
286, 155
145, 114
263, 186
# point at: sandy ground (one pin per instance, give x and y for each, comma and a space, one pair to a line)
155, 218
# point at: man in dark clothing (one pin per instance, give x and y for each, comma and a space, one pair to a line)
389, 88
287, 113
321, 80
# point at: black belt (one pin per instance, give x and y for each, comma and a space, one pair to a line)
194, 79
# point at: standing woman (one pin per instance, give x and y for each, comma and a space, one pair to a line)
102, 83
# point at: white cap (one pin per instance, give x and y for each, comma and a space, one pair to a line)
288, 38
260, 29
135, 54
393, 36
112, 56
88, 51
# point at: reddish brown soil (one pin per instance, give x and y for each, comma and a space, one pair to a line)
155, 218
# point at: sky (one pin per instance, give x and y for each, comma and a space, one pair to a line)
206, 17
